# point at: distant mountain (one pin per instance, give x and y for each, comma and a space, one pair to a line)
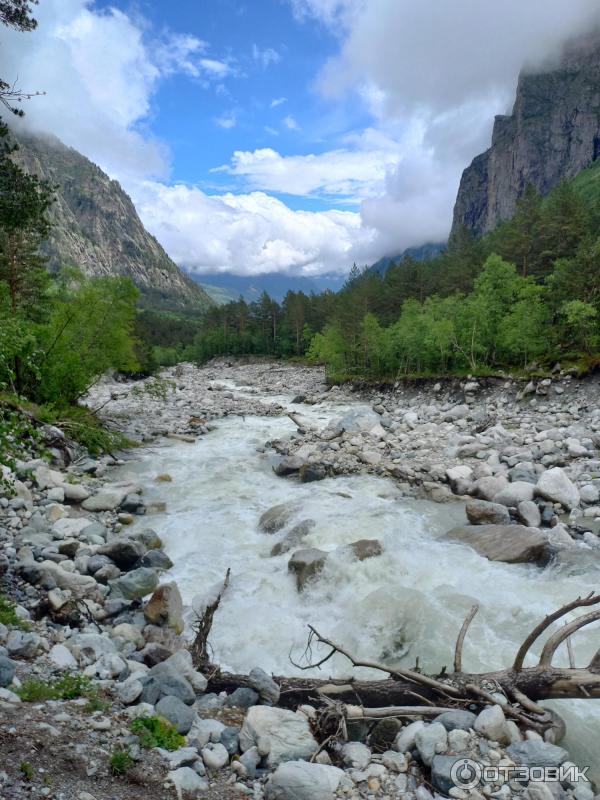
426, 252
97, 229
225, 286
552, 134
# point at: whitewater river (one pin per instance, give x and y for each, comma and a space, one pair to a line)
407, 603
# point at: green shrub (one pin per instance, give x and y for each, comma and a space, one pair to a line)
120, 762
157, 732
8, 615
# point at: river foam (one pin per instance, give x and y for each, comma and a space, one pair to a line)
405, 604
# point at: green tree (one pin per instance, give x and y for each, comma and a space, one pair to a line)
582, 324
89, 331
24, 224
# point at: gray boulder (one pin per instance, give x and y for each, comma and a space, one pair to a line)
441, 772
537, 754
554, 485
488, 487
187, 783
300, 780
125, 553
7, 671
288, 732
515, 493
109, 498
277, 517
294, 537
529, 514
288, 465
176, 712
242, 698
21, 644
511, 544
306, 565
457, 720
162, 680
264, 684
481, 512
135, 584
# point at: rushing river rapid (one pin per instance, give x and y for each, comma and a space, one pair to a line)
407, 603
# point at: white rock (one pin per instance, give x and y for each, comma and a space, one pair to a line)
430, 741
289, 734
215, 756
405, 740
300, 780
187, 782
62, 657
491, 723
356, 755
554, 485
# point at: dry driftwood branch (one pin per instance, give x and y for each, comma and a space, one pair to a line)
559, 637
461, 638
396, 695
199, 648
580, 602
398, 674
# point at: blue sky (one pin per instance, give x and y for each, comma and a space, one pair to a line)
294, 136
266, 99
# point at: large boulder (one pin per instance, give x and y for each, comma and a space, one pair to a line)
165, 607
164, 681
363, 549
7, 671
176, 712
109, 498
287, 732
481, 512
487, 488
554, 485
80, 585
125, 552
277, 517
515, 493
289, 465
299, 780
135, 584
360, 421
306, 565
512, 544
294, 537
537, 754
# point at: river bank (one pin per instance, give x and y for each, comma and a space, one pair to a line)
358, 467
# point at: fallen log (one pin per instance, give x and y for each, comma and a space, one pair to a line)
409, 693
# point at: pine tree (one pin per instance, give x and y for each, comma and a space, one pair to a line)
24, 224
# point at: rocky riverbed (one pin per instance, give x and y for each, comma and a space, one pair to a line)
83, 559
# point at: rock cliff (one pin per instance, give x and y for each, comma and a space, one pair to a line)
552, 134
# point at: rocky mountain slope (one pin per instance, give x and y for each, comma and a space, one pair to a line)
552, 134
97, 228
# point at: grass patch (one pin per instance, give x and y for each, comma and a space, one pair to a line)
83, 426
120, 762
69, 687
26, 770
8, 614
157, 732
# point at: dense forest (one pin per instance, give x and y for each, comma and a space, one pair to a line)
528, 293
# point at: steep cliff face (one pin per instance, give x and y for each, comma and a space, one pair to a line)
552, 134
97, 229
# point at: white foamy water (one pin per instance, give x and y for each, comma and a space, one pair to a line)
406, 603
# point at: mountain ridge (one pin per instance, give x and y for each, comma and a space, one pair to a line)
96, 227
